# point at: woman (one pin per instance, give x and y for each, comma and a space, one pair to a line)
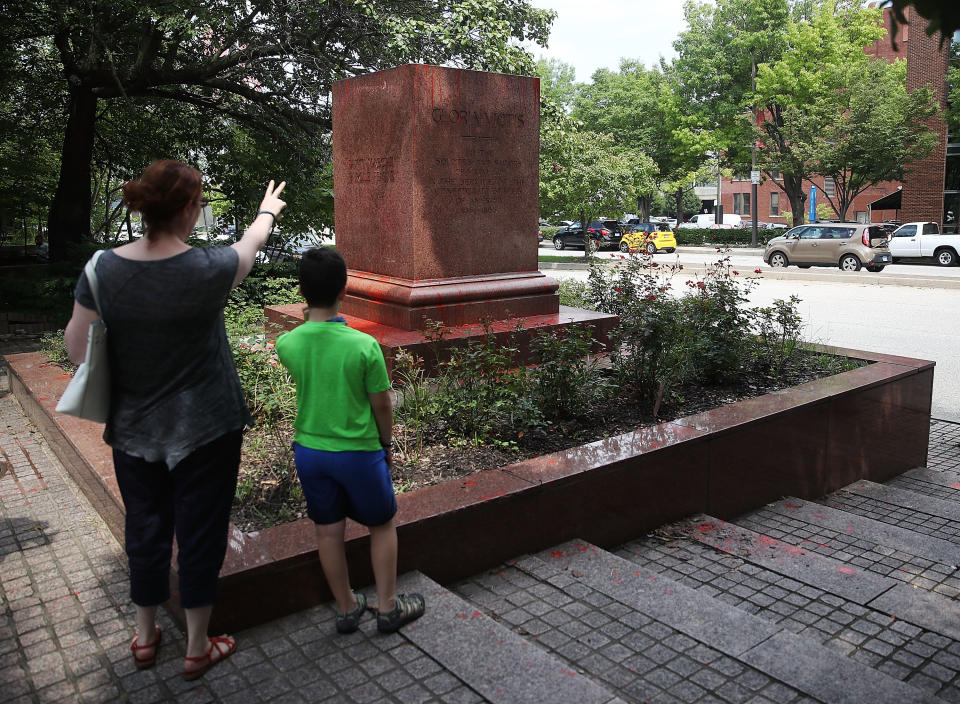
177, 409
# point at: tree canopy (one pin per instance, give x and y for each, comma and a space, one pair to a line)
210, 68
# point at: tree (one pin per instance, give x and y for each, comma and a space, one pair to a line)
640, 108
266, 68
557, 81
867, 131
799, 91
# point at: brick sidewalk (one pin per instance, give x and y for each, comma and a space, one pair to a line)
66, 620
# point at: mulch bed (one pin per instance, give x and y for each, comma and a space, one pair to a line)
274, 497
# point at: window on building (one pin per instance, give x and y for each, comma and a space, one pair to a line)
741, 203
775, 204
829, 187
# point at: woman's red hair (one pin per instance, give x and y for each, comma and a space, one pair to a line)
165, 189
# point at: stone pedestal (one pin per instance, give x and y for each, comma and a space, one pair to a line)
436, 181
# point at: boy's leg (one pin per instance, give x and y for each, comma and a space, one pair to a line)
383, 555
333, 559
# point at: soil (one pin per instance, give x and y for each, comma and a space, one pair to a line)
273, 494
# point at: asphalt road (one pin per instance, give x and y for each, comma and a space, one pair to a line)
906, 311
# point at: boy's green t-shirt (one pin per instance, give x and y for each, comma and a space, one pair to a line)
335, 367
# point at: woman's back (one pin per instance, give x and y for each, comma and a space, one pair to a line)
174, 384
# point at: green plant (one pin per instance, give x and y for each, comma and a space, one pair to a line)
480, 393
412, 411
566, 381
778, 329
54, 347
574, 294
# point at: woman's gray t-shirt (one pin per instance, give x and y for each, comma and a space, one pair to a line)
174, 386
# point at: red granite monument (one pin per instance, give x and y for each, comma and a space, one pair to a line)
436, 185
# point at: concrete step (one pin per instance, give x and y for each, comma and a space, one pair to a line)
943, 484
929, 515
924, 561
903, 632
493, 660
656, 639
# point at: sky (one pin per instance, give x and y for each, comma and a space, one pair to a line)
592, 34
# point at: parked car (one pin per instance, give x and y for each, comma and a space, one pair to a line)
922, 240
602, 238
651, 237
847, 245
539, 237
612, 226
708, 219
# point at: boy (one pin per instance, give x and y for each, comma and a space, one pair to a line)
342, 441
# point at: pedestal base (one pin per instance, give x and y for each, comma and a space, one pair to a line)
281, 318
454, 301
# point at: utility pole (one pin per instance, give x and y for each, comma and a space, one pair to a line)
754, 181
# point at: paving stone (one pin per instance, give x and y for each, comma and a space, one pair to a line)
888, 537
822, 674
799, 565
456, 634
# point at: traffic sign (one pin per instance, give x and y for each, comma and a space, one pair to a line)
754, 177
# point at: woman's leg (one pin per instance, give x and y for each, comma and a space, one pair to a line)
204, 487
147, 493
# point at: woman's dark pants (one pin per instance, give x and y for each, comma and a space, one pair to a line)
192, 501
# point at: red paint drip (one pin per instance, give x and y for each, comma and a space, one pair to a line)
817, 515
791, 506
843, 569
556, 554
706, 527
476, 614
767, 540
955, 485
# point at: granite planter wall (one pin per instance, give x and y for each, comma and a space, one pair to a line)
872, 423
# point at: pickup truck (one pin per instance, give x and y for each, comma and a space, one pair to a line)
922, 240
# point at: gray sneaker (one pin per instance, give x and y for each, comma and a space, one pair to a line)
350, 621
409, 608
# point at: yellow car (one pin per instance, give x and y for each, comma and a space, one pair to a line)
651, 237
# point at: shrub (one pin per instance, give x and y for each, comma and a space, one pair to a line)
566, 381
574, 294
736, 236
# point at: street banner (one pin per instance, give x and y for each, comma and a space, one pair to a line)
813, 204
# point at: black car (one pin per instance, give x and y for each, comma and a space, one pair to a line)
614, 227
573, 237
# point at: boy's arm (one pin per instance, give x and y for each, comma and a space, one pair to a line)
382, 407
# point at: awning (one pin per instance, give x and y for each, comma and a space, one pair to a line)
891, 201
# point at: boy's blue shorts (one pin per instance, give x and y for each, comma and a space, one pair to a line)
340, 485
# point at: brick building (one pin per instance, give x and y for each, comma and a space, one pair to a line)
931, 187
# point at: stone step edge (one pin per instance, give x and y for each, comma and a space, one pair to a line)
928, 610
490, 658
814, 670
904, 498
884, 534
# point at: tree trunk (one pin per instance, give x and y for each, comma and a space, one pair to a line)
643, 208
678, 201
793, 187
69, 219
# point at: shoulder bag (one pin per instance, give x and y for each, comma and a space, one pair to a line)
88, 393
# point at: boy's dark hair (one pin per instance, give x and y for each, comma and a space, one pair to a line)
323, 274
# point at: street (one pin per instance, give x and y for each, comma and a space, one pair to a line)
895, 318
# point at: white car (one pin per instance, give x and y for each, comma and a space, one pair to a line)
922, 240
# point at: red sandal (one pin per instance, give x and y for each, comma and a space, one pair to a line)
147, 662
207, 658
